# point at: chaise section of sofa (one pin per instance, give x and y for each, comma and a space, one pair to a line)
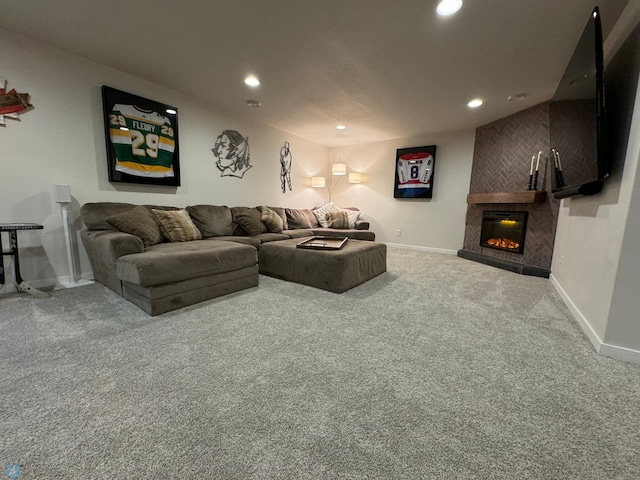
166, 275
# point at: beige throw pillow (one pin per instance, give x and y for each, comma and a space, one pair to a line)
176, 225
272, 220
338, 219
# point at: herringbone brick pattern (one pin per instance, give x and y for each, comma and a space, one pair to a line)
501, 162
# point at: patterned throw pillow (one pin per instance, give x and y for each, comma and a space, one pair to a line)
176, 225
321, 213
139, 222
272, 220
353, 215
338, 219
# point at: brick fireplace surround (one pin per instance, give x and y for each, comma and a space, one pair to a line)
501, 160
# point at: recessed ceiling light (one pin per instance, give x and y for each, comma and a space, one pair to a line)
253, 103
340, 127
517, 96
252, 81
448, 7
475, 103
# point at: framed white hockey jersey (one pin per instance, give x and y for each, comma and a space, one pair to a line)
414, 172
142, 139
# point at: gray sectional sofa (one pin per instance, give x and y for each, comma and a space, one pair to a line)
130, 251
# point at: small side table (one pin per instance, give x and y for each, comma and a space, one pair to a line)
12, 229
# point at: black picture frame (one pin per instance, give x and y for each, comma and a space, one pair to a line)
414, 172
142, 139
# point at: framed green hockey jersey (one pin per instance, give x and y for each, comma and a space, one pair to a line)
142, 139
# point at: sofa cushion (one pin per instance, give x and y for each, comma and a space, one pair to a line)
249, 220
346, 232
321, 213
338, 219
139, 222
176, 225
175, 262
212, 220
271, 219
271, 237
94, 215
299, 233
301, 218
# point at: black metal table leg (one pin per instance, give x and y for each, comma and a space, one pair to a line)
1, 263
12, 229
13, 251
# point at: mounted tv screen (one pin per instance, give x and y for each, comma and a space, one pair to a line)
577, 119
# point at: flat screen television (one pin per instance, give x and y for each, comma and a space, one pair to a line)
577, 129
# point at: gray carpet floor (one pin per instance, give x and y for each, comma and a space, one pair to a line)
439, 368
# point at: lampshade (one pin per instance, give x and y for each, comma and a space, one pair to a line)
339, 169
317, 182
355, 177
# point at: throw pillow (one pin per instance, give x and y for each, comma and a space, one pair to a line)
353, 215
271, 219
212, 220
321, 213
250, 221
281, 212
338, 219
303, 218
139, 222
176, 225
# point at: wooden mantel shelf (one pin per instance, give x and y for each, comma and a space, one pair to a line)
529, 196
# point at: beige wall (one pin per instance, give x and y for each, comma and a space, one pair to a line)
62, 141
595, 264
437, 223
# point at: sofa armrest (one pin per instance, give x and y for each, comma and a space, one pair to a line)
104, 247
362, 225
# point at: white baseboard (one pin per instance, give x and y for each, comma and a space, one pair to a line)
424, 249
57, 283
613, 351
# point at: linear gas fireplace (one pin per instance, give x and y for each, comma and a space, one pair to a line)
504, 230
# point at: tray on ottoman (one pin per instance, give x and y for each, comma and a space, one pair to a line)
333, 270
323, 243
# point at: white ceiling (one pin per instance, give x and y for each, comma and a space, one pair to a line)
386, 69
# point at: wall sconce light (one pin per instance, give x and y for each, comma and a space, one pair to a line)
355, 177
317, 182
339, 168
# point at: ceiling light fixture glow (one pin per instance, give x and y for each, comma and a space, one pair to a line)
448, 7
340, 127
475, 103
517, 96
252, 81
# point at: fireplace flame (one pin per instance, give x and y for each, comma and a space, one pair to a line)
503, 243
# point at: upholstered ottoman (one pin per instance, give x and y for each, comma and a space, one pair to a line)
333, 270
